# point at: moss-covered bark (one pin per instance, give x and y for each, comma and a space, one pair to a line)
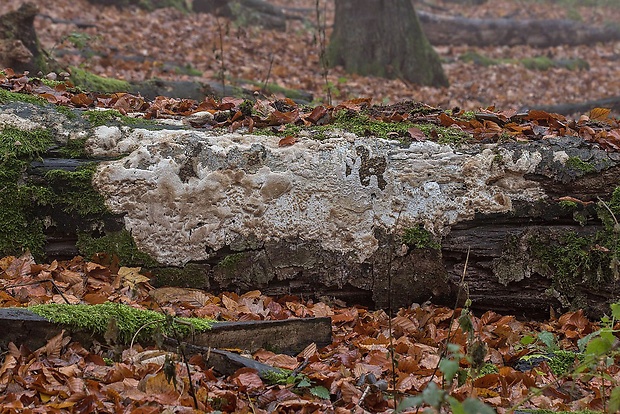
383, 38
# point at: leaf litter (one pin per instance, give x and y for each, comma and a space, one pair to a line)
63, 376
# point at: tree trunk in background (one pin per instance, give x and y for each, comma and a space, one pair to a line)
19, 46
383, 38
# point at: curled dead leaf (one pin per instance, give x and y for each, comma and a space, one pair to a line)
287, 141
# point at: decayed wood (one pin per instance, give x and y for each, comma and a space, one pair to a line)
612, 103
451, 30
21, 326
222, 361
289, 336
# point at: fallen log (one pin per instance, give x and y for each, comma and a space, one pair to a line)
289, 336
578, 108
331, 217
453, 30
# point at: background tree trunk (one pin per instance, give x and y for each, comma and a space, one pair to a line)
19, 46
383, 38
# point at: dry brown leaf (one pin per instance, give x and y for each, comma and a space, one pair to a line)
287, 141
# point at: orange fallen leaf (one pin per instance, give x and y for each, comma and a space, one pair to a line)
287, 141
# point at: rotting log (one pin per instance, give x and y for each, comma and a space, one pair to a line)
452, 30
290, 336
612, 102
333, 217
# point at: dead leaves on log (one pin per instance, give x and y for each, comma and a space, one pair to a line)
485, 126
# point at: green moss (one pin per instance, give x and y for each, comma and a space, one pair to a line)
573, 261
120, 244
562, 362
112, 117
419, 238
7, 96
362, 125
192, 275
281, 376
487, 368
20, 228
538, 63
22, 144
468, 115
479, 59
444, 135
188, 70
74, 148
91, 82
576, 163
569, 205
66, 111
230, 261
247, 107
51, 83
541, 63
74, 190
576, 262
95, 318
100, 118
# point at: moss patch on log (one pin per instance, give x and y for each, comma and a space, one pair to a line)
74, 191
575, 261
363, 125
128, 320
120, 244
420, 238
192, 275
91, 82
7, 96
21, 228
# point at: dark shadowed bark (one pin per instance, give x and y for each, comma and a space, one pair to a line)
383, 38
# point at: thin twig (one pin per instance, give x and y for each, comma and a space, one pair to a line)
322, 48
390, 310
222, 66
264, 89
138, 331
41, 281
181, 350
608, 209
450, 332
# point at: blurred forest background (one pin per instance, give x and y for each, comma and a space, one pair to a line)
136, 43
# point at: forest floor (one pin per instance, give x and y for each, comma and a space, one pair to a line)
371, 363
135, 44
369, 350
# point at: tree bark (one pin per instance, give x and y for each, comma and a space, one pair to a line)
19, 46
454, 30
383, 38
